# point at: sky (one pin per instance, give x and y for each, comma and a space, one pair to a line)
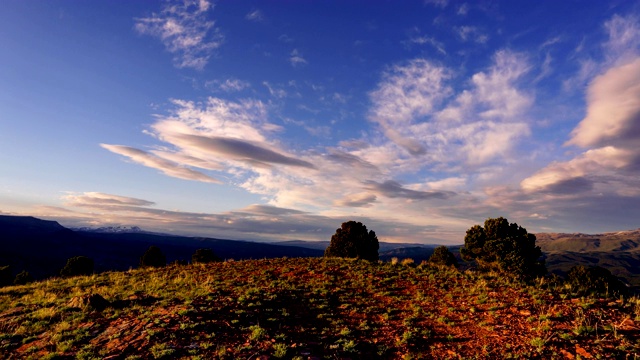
279, 120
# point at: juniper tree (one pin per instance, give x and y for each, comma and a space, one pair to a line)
353, 240
504, 247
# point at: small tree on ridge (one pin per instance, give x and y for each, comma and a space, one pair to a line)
505, 247
153, 257
443, 256
77, 266
353, 240
203, 256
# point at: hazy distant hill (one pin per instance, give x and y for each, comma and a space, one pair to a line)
43, 247
384, 246
617, 251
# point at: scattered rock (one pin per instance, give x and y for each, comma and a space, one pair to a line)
582, 352
90, 302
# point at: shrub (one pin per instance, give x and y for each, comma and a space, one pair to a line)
353, 240
594, 280
77, 266
203, 256
153, 257
504, 247
23, 278
442, 256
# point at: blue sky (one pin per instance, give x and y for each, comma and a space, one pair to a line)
280, 120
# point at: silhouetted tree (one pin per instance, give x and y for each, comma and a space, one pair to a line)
504, 247
442, 256
352, 240
203, 256
23, 278
153, 257
6, 276
595, 280
76, 266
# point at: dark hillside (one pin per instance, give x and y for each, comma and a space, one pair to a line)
43, 247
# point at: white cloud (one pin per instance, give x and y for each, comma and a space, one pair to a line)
613, 112
406, 93
580, 173
255, 15
230, 85
423, 39
185, 31
97, 198
484, 122
296, 58
471, 33
624, 39
275, 92
612, 129
167, 167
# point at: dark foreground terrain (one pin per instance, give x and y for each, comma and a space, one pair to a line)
310, 308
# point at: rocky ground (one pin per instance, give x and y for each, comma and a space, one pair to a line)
311, 309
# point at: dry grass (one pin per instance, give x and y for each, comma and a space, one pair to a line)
322, 308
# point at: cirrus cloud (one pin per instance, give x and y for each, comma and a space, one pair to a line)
185, 31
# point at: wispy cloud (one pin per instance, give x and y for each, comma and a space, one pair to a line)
255, 15
463, 9
185, 30
167, 167
437, 3
234, 85
394, 189
406, 93
471, 33
275, 91
254, 222
624, 39
296, 58
96, 198
428, 40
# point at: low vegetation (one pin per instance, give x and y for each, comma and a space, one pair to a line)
314, 307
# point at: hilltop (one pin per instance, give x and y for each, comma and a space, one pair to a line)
617, 251
310, 308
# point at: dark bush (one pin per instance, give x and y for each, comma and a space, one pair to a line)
504, 247
203, 256
76, 266
442, 256
23, 278
153, 257
589, 280
352, 240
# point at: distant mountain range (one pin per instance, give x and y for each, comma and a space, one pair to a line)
42, 248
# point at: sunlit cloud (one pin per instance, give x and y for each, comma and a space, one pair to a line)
253, 222
613, 111
167, 167
185, 30
406, 93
